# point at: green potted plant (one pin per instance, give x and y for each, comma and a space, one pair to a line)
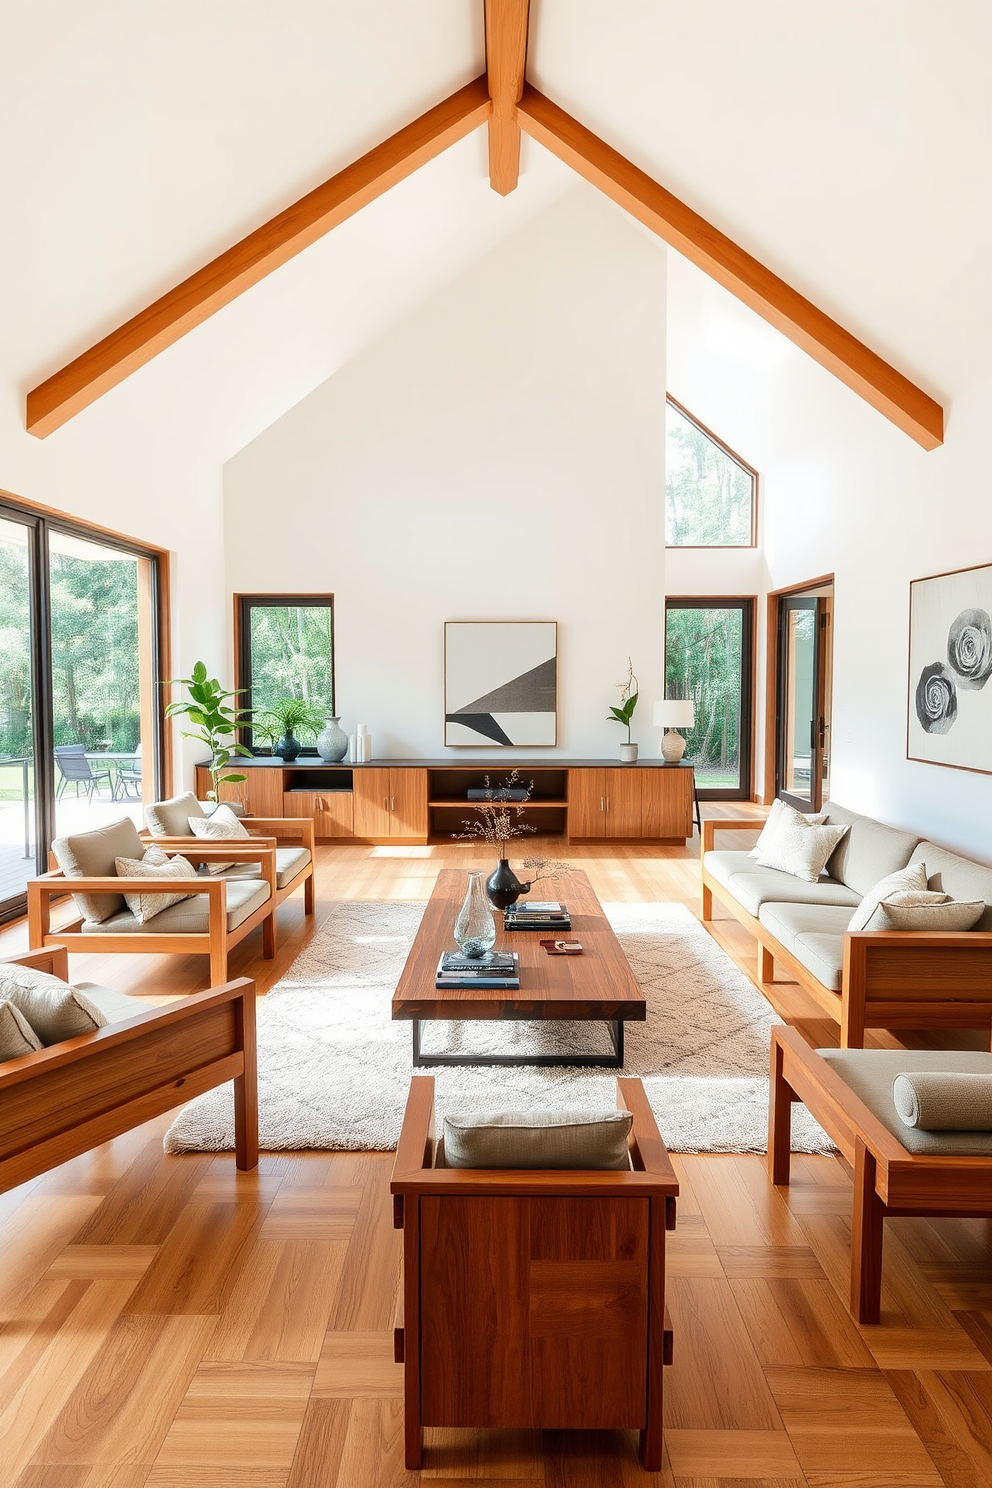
216, 723
628, 702
290, 714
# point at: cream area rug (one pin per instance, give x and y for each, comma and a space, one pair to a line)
334, 1069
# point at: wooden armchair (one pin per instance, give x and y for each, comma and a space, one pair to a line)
72, 1096
533, 1298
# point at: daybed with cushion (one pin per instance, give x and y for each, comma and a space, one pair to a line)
867, 978
170, 824
898, 1168
209, 916
77, 1091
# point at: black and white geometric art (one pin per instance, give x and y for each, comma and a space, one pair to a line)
500, 682
950, 669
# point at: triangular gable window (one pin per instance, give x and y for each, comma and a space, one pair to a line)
710, 492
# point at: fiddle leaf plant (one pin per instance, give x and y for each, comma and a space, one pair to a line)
216, 723
628, 700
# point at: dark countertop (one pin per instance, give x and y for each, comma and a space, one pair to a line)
311, 762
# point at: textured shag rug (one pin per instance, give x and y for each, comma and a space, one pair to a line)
334, 1069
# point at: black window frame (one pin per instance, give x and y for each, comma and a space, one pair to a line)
747, 604
731, 454
243, 605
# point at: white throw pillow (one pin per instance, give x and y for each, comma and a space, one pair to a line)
221, 824
912, 878
17, 1037
54, 1010
798, 848
154, 864
774, 822
926, 910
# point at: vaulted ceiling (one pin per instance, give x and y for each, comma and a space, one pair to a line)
840, 148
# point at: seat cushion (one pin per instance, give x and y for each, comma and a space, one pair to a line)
752, 886
536, 1139
289, 862
869, 851
959, 877
191, 917
814, 934
171, 818
115, 1006
870, 1074
93, 855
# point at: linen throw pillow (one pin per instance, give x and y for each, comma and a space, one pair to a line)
912, 878
925, 910
221, 824
541, 1139
54, 1009
773, 823
17, 1037
154, 864
798, 848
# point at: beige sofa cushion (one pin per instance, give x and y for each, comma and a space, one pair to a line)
116, 1007
870, 1073
54, 1009
814, 934
92, 855
913, 876
960, 877
752, 886
938, 1100
171, 818
536, 1139
289, 862
869, 851
155, 864
17, 1037
191, 917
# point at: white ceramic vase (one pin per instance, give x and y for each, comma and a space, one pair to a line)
332, 741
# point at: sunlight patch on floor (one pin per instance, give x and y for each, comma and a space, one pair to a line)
401, 852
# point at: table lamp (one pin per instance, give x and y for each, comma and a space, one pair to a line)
673, 713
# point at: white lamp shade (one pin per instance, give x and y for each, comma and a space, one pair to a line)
674, 713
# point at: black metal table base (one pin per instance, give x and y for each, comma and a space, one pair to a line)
518, 1061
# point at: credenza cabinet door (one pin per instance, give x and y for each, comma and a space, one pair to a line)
333, 812
623, 802
666, 804
408, 803
372, 792
261, 794
587, 814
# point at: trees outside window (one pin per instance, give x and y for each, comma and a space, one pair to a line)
285, 650
710, 492
708, 659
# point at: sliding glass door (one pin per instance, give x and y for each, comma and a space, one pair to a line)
79, 711
803, 701
709, 661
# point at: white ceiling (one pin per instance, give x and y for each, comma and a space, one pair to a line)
846, 144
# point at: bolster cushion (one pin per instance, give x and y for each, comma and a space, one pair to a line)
944, 1101
536, 1139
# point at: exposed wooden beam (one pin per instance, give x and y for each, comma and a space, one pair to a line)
506, 56
133, 344
911, 409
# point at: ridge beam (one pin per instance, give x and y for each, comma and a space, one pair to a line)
506, 58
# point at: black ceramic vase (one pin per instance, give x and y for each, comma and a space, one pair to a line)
504, 887
288, 747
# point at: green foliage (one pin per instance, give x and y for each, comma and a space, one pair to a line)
291, 658
216, 723
707, 494
287, 714
628, 700
703, 662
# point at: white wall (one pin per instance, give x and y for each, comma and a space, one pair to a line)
497, 455
843, 491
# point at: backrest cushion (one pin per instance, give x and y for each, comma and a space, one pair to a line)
17, 1037
54, 1010
92, 855
869, 851
959, 877
536, 1139
171, 818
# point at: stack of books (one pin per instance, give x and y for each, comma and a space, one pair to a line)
537, 914
499, 969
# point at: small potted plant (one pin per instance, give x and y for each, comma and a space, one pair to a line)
628, 702
290, 714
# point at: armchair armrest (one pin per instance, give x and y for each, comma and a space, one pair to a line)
932, 939
714, 824
53, 959
297, 827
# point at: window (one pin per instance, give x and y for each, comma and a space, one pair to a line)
285, 649
80, 709
709, 659
710, 493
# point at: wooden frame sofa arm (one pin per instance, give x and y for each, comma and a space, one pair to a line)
72, 1096
915, 979
714, 824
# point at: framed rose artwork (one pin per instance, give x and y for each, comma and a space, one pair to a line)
950, 670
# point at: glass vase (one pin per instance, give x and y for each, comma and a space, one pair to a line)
475, 927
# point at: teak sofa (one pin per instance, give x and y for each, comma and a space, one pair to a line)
533, 1298
63, 1100
868, 978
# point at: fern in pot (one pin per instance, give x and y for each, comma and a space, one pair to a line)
289, 715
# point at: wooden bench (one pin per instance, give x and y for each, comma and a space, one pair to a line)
70, 1097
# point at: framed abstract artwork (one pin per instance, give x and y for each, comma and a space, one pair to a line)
501, 682
950, 670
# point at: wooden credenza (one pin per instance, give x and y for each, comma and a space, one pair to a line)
416, 801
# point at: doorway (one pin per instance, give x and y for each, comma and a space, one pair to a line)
802, 685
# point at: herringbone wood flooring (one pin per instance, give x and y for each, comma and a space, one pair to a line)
169, 1323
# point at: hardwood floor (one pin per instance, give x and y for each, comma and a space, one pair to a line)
170, 1323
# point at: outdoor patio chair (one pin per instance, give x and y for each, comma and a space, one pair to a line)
130, 775
77, 770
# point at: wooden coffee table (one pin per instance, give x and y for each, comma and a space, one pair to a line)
598, 985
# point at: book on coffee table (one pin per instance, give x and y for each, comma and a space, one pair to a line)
553, 916
499, 970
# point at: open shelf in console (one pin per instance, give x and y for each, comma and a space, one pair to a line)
450, 807
317, 778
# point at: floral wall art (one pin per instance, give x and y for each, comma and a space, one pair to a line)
950, 667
